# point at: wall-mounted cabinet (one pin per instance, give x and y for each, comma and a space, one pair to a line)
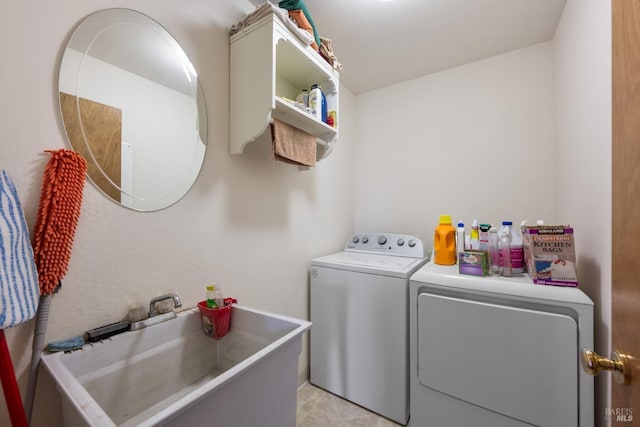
268, 66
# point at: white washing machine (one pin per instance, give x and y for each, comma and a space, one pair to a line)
497, 352
360, 315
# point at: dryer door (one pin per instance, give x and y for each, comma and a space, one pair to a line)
515, 361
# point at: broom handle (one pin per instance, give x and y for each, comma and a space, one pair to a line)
10, 386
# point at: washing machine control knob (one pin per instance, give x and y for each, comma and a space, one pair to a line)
365, 240
356, 239
412, 243
400, 242
382, 240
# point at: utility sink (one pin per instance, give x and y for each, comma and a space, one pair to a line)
172, 374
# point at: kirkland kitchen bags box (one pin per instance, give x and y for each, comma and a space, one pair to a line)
549, 253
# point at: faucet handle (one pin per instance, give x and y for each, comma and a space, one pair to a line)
177, 302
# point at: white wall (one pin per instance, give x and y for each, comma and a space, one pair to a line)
475, 141
429, 146
582, 82
249, 224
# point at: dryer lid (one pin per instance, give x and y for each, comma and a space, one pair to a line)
521, 286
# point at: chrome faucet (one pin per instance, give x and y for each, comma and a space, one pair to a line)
152, 304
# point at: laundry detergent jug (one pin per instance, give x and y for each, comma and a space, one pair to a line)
444, 242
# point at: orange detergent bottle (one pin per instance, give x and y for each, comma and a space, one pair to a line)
444, 242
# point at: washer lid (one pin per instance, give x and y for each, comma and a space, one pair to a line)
370, 263
522, 285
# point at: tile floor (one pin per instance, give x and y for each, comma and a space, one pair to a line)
318, 408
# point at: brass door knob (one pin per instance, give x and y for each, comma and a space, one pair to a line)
619, 364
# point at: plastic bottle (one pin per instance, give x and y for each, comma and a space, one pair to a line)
494, 248
484, 237
475, 236
517, 249
460, 237
505, 248
518, 265
444, 242
332, 118
315, 101
324, 107
303, 97
214, 297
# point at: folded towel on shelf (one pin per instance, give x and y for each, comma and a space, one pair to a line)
300, 19
19, 290
299, 5
266, 9
292, 145
326, 51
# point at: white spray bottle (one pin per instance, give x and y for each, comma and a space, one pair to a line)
460, 239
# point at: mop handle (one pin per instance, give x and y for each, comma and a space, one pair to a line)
10, 386
40, 329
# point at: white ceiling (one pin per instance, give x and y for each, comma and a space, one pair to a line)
385, 42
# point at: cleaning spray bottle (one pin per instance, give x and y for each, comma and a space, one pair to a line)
474, 241
460, 238
484, 237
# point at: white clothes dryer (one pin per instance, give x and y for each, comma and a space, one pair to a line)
497, 352
360, 315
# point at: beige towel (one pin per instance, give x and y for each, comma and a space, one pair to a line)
292, 145
326, 51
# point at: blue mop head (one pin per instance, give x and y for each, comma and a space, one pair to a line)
69, 344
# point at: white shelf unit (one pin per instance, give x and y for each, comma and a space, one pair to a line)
269, 63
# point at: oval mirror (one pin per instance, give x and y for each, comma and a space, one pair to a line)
132, 105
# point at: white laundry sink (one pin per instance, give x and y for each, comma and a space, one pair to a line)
172, 374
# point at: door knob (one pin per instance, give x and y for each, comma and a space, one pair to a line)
619, 364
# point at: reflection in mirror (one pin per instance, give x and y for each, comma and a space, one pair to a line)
132, 105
